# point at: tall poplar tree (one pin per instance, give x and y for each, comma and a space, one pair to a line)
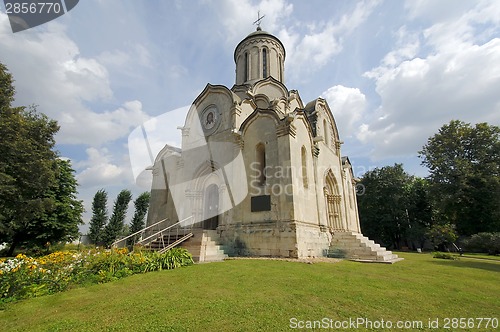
115, 224
99, 217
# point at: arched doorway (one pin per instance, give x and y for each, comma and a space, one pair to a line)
332, 200
211, 209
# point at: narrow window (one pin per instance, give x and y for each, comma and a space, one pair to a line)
264, 63
325, 132
246, 67
280, 68
261, 163
304, 166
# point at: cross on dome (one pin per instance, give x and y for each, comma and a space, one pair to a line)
259, 18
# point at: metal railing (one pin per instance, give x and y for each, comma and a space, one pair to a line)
170, 236
115, 244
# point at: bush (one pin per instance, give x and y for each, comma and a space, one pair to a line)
442, 235
483, 243
443, 255
23, 276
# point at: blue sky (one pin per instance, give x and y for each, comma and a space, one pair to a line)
392, 71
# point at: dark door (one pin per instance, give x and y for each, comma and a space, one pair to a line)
211, 213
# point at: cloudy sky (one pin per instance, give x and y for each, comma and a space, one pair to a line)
392, 71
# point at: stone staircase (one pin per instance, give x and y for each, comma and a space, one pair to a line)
355, 246
169, 240
203, 246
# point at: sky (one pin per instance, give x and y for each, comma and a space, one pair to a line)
393, 72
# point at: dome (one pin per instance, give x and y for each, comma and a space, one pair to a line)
258, 56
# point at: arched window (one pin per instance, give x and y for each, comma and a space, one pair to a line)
264, 63
280, 68
325, 132
303, 153
261, 163
246, 67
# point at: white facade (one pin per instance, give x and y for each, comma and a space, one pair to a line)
257, 164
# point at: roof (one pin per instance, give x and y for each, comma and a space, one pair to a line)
257, 33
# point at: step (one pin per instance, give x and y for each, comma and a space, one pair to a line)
204, 247
357, 247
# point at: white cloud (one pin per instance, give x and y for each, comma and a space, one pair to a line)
96, 128
459, 78
50, 71
237, 15
348, 106
101, 170
129, 57
323, 41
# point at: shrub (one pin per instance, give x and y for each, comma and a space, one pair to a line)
24, 276
443, 255
483, 243
442, 235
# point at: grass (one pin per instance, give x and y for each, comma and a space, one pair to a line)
263, 295
481, 256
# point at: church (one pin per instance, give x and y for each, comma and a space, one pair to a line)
259, 171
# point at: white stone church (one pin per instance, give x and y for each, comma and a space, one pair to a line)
259, 171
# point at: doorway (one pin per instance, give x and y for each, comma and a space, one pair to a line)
211, 211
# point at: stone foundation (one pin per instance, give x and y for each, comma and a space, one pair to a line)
275, 239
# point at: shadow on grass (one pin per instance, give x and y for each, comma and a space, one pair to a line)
484, 265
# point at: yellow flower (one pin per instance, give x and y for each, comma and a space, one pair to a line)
21, 256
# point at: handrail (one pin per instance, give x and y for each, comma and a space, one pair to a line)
142, 230
173, 244
155, 235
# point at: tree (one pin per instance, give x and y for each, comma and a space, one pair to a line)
382, 207
115, 225
141, 209
395, 208
60, 221
99, 217
464, 167
28, 167
419, 211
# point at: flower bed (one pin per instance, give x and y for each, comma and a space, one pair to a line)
23, 276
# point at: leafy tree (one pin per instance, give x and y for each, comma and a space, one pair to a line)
99, 217
419, 211
115, 225
141, 209
382, 207
464, 167
60, 221
28, 167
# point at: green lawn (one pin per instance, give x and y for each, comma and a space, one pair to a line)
263, 295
